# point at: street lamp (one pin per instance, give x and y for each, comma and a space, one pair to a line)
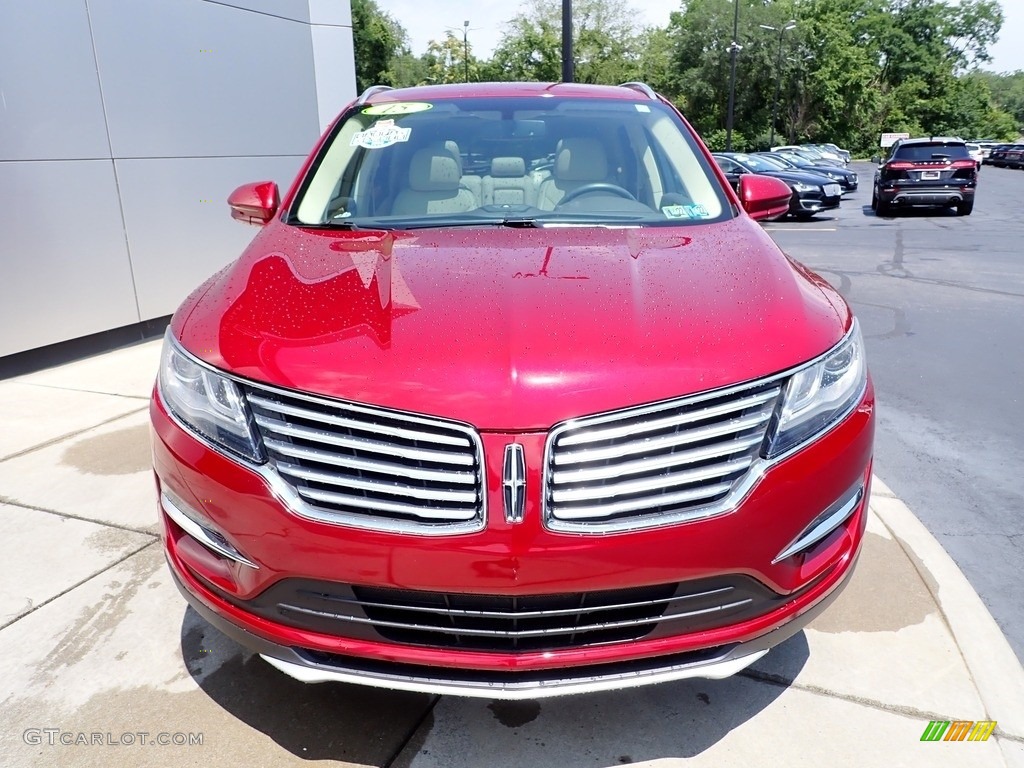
465, 47
734, 49
791, 24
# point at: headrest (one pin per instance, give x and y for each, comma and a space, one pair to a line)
508, 166
433, 170
581, 159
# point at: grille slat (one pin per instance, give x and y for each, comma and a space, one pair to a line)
617, 508
515, 633
688, 437
416, 510
657, 464
513, 623
676, 419
517, 614
275, 426
652, 484
397, 489
639, 466
369, 467
349, 423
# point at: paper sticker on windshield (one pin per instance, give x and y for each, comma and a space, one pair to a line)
685, 212
398, 108
381, 134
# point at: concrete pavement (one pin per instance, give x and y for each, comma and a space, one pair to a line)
98, 649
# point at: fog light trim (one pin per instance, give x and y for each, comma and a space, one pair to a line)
824, 524
205, 536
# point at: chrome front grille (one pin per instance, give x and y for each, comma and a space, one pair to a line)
372, 467
657, 464
513, 623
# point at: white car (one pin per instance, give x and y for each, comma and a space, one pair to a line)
976, 153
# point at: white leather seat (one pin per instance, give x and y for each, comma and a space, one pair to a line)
508, 183
434, 185
579, 161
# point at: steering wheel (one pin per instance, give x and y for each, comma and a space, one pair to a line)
596, 186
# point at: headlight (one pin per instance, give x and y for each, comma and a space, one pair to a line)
206, 402
820, 395
805, 187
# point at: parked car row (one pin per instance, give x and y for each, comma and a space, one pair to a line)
815, 188
1006, 156
830, 153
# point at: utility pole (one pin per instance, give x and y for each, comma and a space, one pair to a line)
568, 72
734, 49
791, 24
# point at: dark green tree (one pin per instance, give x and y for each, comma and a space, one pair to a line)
377, 39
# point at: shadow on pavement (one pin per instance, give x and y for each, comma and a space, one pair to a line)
912, 213
333, 721
324, 721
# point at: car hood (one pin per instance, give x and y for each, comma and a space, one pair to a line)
798, 177
826, 169
511, 329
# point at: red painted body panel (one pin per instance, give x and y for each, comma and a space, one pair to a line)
512, 330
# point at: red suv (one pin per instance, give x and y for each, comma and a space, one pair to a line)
511, 397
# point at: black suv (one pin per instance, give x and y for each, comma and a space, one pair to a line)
936, 172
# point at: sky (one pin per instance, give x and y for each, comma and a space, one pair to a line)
426, 20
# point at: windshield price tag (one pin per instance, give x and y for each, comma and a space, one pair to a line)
381, 134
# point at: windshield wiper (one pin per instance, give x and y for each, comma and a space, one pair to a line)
520, 222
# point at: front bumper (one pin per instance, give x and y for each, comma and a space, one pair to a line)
523, 559
714, 663
813, 204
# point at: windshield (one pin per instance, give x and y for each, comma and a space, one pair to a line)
755, 163
776, 159
521, 161
794, 159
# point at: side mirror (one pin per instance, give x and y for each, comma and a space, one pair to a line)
255, 203
764, 197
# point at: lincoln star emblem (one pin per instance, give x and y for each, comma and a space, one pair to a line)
514, 483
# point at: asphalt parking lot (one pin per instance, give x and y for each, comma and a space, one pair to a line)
940, 298
101, 660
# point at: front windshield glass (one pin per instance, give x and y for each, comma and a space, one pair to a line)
756, 164
521, 161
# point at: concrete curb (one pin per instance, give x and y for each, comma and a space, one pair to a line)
998, 674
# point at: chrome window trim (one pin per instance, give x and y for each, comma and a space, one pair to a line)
289, 497
758, 468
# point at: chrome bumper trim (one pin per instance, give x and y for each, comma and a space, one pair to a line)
715, 669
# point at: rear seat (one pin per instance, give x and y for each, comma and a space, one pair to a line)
508, 183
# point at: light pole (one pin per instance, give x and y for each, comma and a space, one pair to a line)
734, 49
568, 68
791, 24
465, 48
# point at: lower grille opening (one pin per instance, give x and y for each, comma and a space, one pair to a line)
510, 624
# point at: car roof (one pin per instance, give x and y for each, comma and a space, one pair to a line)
381, 95
931, 140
